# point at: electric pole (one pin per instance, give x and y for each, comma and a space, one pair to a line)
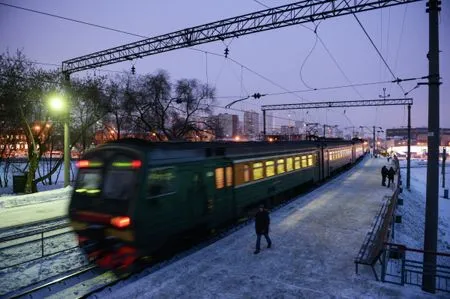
431, 209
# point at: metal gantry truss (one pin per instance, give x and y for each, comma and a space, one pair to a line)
273, 18
338, 104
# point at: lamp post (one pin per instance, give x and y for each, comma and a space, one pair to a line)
59, 105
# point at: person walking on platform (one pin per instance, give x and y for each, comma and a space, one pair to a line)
391, 173
262, 222
384, 174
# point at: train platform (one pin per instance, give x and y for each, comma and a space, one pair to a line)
24, 209
315, 241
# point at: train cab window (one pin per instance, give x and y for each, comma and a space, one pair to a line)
88, 181
220, 178
270, 168
258, 171
229, 176
304, 162
310, 160
119, 184
297, 163
161, 181
289, 164
280, 166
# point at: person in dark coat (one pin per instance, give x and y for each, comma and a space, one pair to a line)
262, 222
384, 174
391, 173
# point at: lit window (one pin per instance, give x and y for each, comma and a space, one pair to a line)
304, 162
270, 168
310, 160
219, 178
246, 173
229, 176
289, 164
258, 171
297, 163
280, 166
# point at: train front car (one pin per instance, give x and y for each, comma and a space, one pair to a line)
102, 203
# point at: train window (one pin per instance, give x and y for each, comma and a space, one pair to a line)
258, 171
270, 168
229, 175
246, 173
119, 184
304, 162
280, 166
289, 164
161, 181
310, 160
297, 162
88, 181
220, 178
241, 174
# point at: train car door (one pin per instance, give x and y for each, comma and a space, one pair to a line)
326, 163
221, 183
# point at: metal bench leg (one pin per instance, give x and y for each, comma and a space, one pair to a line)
374, 272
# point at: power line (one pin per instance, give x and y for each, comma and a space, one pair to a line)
71, 20
378, 51
141, 36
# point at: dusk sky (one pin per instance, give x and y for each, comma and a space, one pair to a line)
400, 33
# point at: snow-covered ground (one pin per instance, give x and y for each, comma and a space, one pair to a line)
228, 268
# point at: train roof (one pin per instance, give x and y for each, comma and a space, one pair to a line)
180, 151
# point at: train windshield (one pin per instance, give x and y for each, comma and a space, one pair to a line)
106, 182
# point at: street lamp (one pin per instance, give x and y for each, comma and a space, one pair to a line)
59, 105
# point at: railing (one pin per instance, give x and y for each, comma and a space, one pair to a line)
38, 244
403, 265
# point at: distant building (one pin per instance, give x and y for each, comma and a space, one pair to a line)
228, 125
269, 122
419, 136
251, 124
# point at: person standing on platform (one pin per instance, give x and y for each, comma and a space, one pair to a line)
262, 222
391, 174
384, 174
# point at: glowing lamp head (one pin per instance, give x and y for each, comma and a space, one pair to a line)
57, 104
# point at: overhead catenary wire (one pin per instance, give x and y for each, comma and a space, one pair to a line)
376, 49
326, 49
141, 36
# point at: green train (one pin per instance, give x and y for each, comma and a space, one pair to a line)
131, 196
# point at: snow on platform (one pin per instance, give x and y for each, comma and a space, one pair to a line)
22, 209
315, 240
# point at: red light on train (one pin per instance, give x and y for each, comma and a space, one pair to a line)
121, 221
136, 164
